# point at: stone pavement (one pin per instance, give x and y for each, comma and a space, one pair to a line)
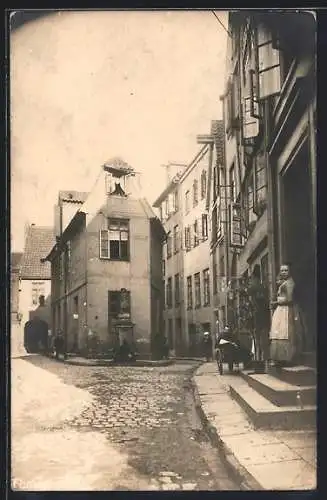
109, 428
264, 459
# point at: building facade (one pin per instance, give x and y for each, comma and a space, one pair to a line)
184, 211
269, 178
35, 275
106, 267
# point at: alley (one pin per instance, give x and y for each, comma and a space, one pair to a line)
117, 428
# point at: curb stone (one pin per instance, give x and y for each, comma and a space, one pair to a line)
95, 362
240, 474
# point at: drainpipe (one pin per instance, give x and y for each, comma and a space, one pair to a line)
270, 204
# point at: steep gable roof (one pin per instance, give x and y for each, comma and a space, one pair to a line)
39, 241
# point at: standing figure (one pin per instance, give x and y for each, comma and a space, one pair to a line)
286, 329
207, 340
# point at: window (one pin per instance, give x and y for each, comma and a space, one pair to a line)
114, 243
214, 273
68, 257
169, 245
177, 290
268, 63
206, 287
196, 235
250, 216
260, 184
195, 193
113, 303
163, 267
175, 200
38, 289
176, 239
232, 104
187, 201
187, 238
189, 292
161, 213
232, 183
203, 184
216, 182
204, 226
166, 208
169, 293
197, 290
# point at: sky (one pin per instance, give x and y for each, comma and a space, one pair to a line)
88, 86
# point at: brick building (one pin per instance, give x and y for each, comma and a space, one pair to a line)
106, 265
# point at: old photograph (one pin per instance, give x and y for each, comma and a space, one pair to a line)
163, 250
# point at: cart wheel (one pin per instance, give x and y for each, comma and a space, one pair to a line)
230, 366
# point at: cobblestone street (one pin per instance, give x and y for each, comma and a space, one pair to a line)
101, 428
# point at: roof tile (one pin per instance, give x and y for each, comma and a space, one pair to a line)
39, 241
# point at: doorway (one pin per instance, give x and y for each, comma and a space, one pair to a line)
299, 238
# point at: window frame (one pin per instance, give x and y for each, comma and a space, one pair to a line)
196, 239
169, 293
203, 184
204, 227
189, 287
187, 201
206, 287
195, 189
260, 167
187, 238
169, 245
123, 228
197, 290
176, 239
177, 288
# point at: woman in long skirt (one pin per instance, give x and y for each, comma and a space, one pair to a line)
286, 330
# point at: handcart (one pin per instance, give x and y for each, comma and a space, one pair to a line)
231, 353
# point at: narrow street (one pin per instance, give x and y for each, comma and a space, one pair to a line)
117, 428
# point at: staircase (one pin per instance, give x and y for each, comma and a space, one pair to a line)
279, 399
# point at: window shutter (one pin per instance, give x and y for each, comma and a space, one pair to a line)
254, 111
104, 244
269, 64
250, 124
235, 225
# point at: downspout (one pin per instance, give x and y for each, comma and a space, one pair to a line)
270, 204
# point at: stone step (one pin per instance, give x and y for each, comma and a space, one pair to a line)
278, 392
296, 375
264, 414
309, 359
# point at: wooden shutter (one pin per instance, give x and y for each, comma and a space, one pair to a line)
104, 244
235, 225
269, 63
254, 103
250, 124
